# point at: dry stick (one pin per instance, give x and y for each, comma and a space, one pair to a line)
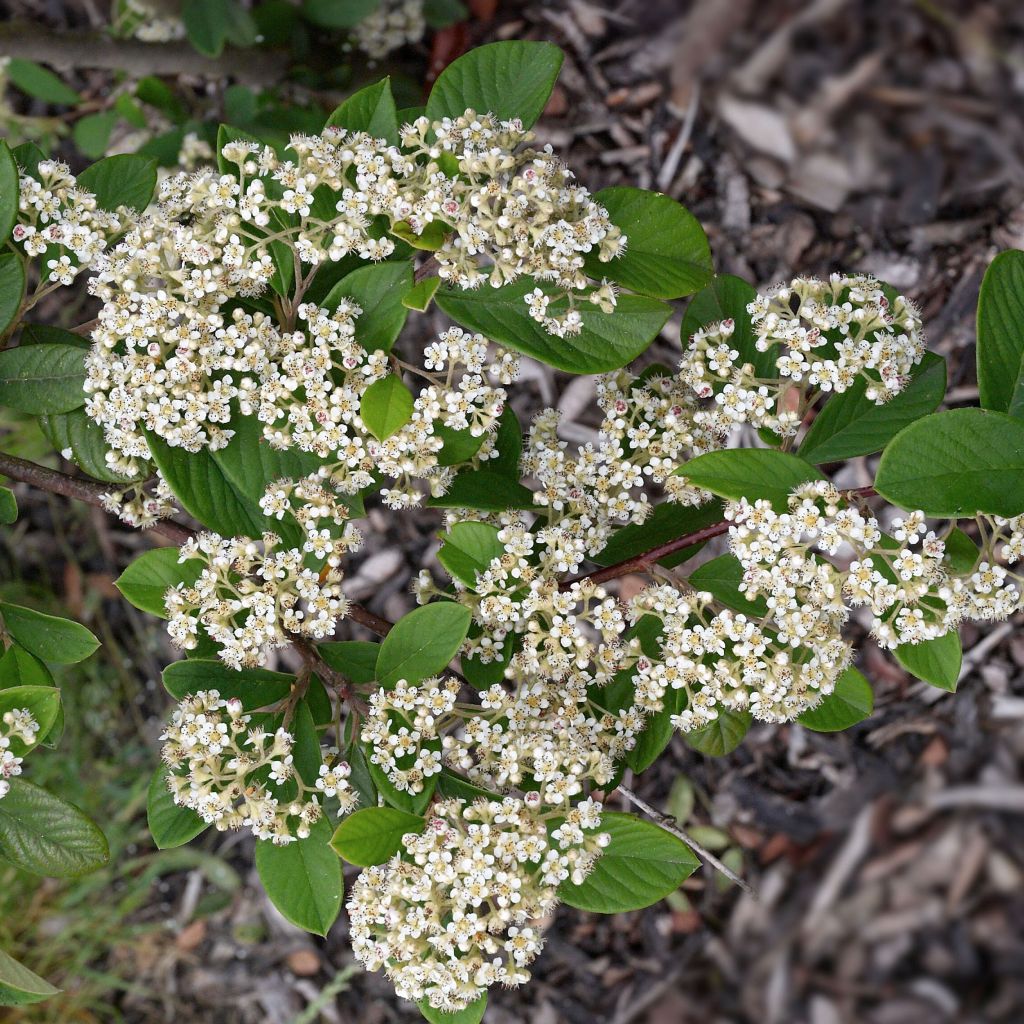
671, 825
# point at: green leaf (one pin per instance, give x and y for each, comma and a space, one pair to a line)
422, 643
956, 463
332, 14
169, 824
486, 490
961, 552
721, 577
421, 294
509, 79
459, 445
210, 24
851, 424
937, 662
19, 986
430, 239
8, 506
667, 254
657, 732
386, 406
40, 82
45, 378
667, 522
254, 687
123, 180
12, 288
41, 702
1001, 334
148, 578
46, 835
354, 659
303, 879
92, 133
472, 1014
207, 491
80, 439
9, 191
606, 342
47, 636
726, 298
849, 703
19, 668
641, 865
369, 110
379, 290
467, 549
750, 473
374, 834
722, 736
402, 800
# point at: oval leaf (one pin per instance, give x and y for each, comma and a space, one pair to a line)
386, 407
750, 473
641, 865
19, 986
169, 824
937, 662
374, 834
422, 643
1000, 351
47, 636
849, 703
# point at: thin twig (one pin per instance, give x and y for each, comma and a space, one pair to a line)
425, 270
671, 825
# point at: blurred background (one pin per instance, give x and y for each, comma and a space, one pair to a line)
871, 135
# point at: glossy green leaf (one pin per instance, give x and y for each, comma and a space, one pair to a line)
254, 687
47, 636
43, 834
354, 659
467, 549
41, 702
956, 463
726, 298
750, 473
378, 289
641, 865
849, 703
148, 578
509, 79
303, 879
369, 110
386, 406
722, 736
1000, 352
12, 289
45, 378
169, 824
19, 668
937, 662
80, 440
486, 490
123, 180
422, 643
422, 294
851, 424
373, 835
667, 254
606, 342
721, 577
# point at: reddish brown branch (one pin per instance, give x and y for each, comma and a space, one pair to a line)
644, 561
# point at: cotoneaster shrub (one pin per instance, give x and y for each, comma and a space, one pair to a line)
245, 371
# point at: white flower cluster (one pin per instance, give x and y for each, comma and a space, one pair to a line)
149, 21
16, 724
822, 335
392, 25
62, 222
511, 211
450, 915
908, 582
141, 504
250, 597
234, 774
402, 730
